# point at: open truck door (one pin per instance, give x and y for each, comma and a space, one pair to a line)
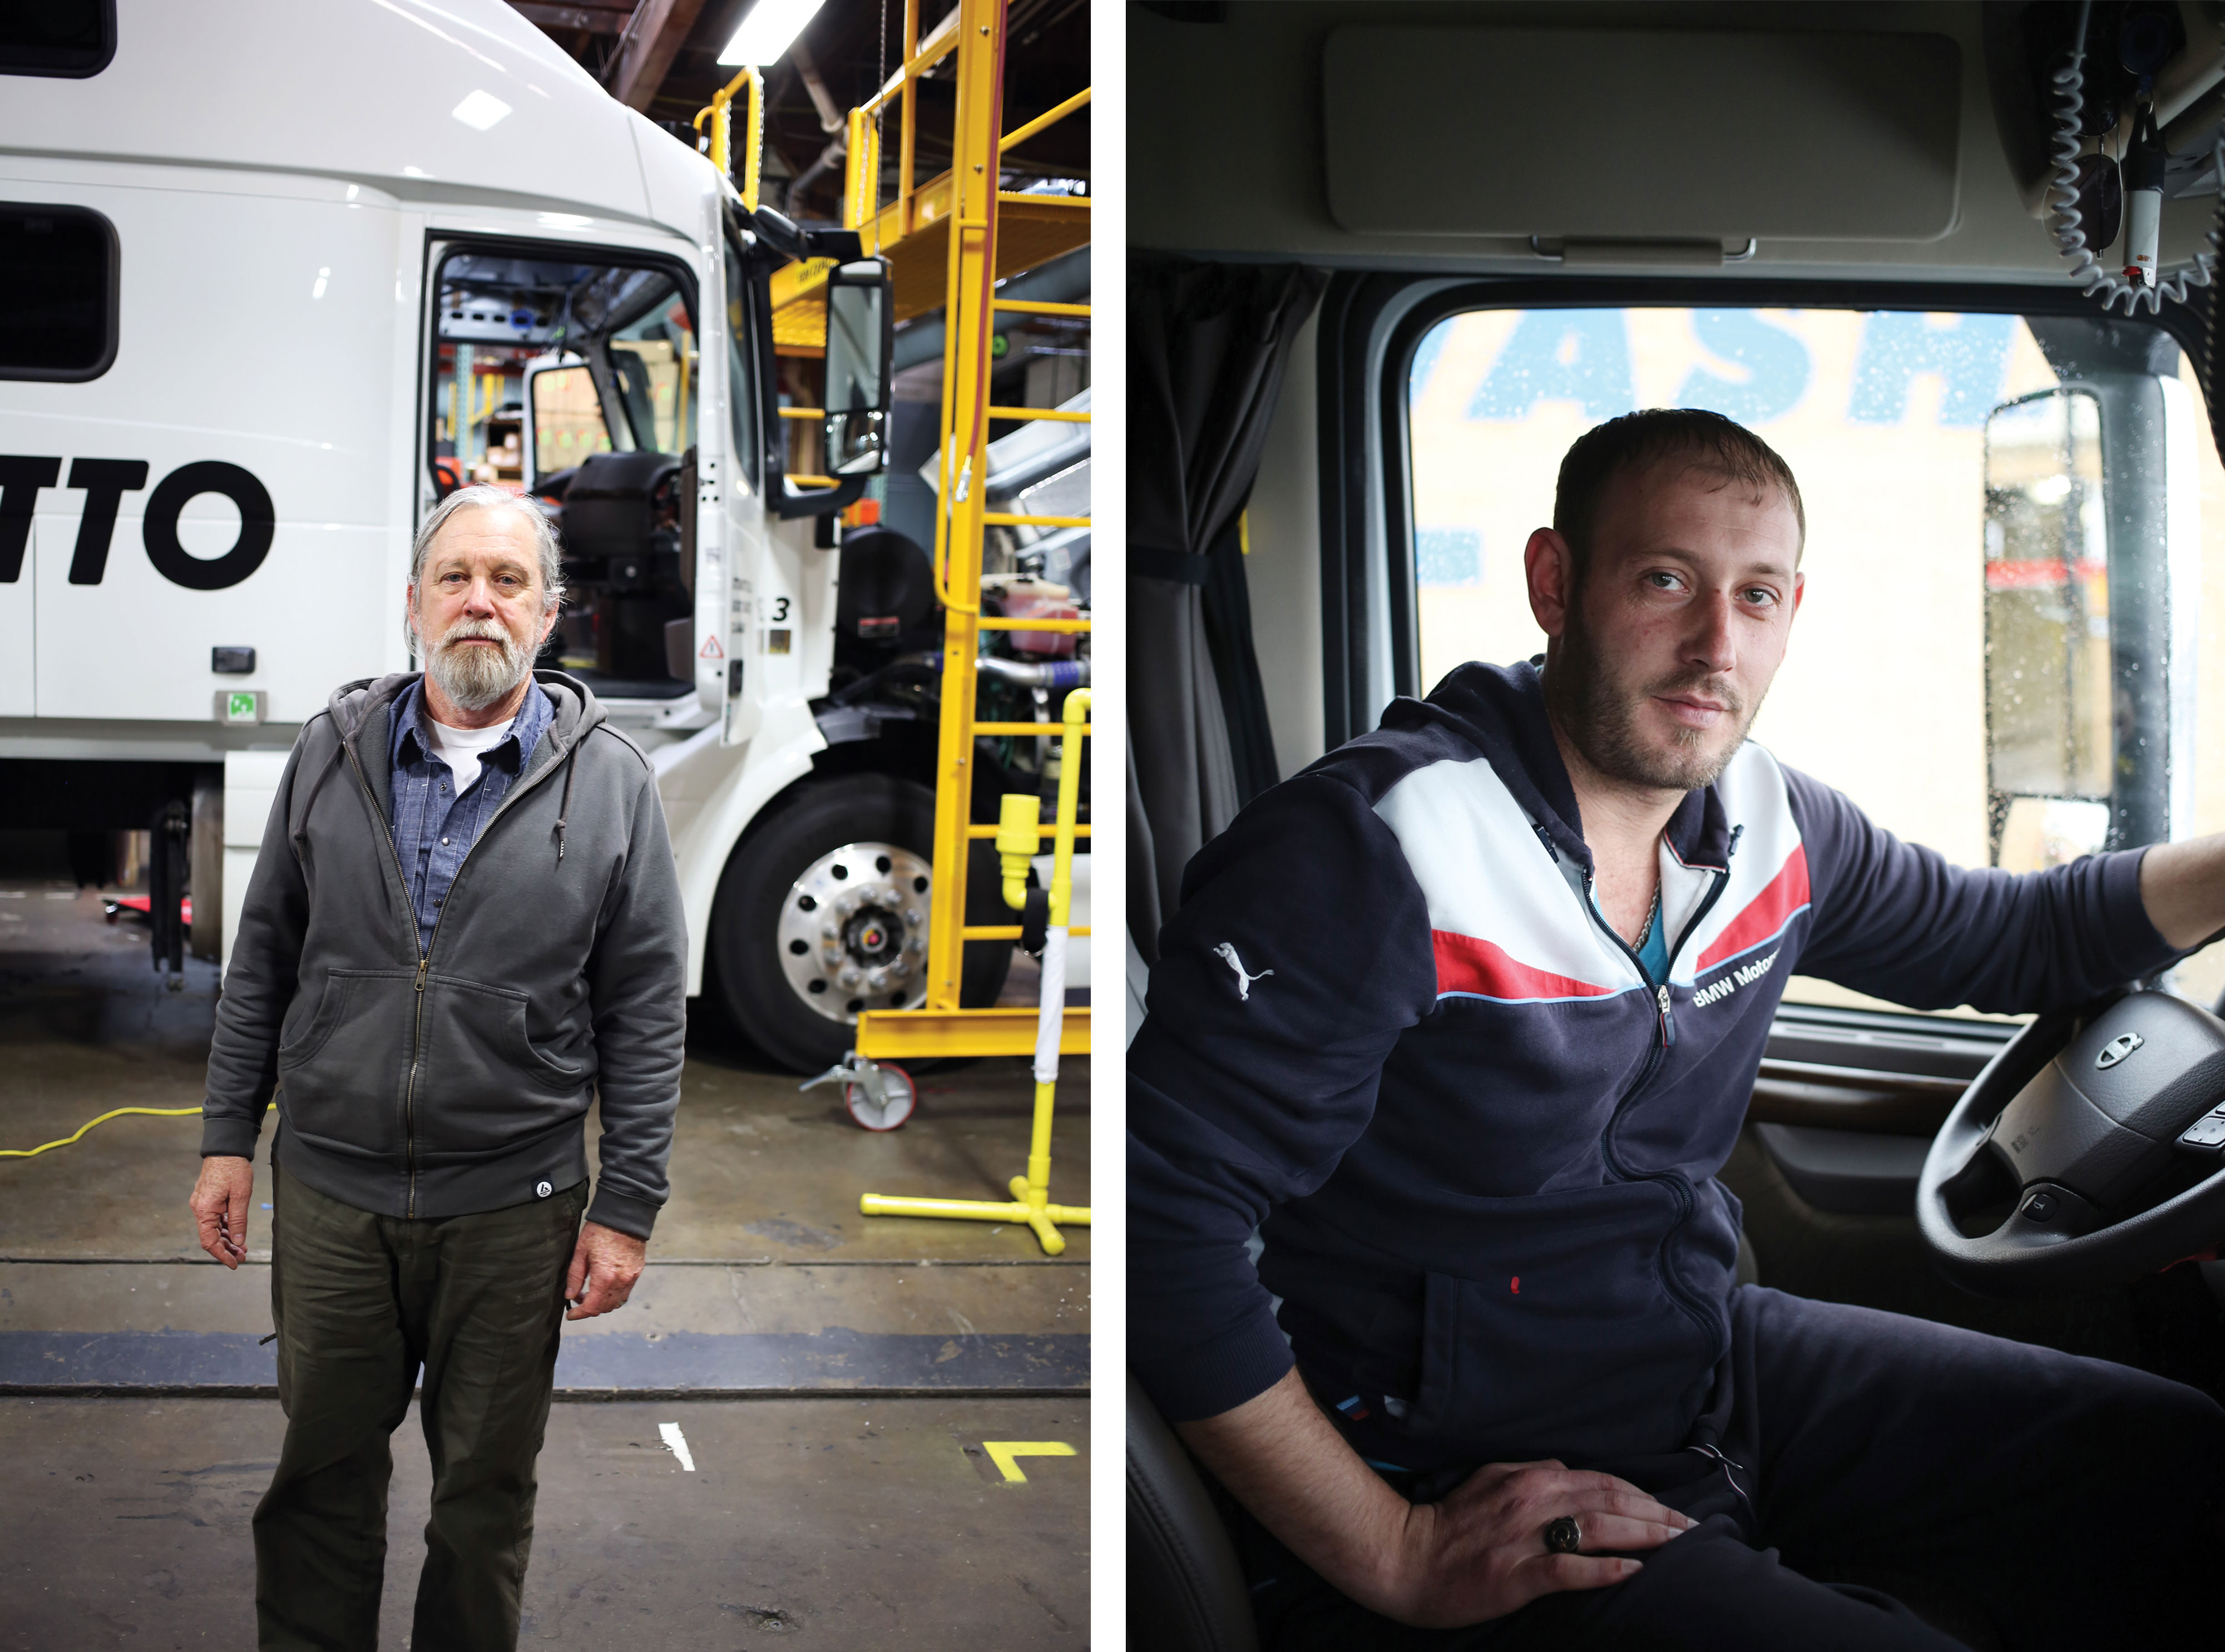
774, 638
576, 372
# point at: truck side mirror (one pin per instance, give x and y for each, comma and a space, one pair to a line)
860, 345
2049, 734
563, 417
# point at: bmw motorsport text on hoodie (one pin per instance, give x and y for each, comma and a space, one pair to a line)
1389, 1028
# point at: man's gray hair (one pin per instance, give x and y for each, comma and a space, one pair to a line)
483, 496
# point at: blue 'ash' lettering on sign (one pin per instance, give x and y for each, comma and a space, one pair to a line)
1970, 356
1776, 364
1425, 358
1449, 556
1580, 356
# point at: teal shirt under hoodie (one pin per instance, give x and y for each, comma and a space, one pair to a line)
441, 1080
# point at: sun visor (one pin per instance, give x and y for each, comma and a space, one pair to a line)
1615, 135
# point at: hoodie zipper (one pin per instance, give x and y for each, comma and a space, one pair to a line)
1731, 1471
425, 952
1665, 1022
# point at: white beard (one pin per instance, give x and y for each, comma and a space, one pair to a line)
476, 678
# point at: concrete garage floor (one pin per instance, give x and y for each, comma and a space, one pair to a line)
836, 1378
834, 1524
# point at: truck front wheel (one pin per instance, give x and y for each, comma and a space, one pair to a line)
823, 912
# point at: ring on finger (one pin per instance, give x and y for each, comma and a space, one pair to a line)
1563, 1536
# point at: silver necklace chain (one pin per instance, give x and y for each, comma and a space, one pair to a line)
1646, 933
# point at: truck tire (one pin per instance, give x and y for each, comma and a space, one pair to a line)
823, 911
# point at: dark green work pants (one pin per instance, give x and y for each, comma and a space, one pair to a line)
360, 1302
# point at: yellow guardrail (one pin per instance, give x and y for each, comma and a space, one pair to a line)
720, 113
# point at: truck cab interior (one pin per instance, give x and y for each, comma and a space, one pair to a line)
578, 382
1388, 261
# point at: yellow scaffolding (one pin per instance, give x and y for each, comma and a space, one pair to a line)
913, 231
964, 215
977, 234
965, 218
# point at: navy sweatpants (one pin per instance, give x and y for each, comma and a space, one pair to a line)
2072, 1502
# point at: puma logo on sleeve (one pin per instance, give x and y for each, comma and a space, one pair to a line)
1226, 953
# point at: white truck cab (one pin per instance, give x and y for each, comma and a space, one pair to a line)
283, 275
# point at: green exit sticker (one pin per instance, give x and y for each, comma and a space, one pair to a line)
239, 708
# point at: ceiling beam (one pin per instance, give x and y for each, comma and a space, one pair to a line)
596, 19
652, 39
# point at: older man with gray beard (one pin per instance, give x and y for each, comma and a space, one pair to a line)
463, 929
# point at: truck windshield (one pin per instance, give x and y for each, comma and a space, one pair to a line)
2011, 523
653, 359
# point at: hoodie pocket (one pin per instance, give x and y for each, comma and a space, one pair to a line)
1558, 1362
484, 1087
343, 1075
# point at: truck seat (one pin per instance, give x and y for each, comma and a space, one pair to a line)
1185, 1589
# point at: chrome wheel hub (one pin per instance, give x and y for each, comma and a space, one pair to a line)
854, 930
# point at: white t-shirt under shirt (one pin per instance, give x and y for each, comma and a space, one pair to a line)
461, 749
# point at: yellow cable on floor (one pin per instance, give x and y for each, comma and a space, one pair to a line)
158, 1112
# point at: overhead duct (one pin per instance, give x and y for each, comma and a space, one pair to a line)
812, 173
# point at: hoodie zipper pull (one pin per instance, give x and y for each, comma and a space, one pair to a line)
1668, 1022
422, 964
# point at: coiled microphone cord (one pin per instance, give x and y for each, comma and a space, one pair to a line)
2094, 278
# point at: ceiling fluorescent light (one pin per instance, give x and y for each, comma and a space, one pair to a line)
480, 111
768, 30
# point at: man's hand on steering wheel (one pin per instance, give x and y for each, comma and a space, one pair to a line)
1483, 1552
2090, 1147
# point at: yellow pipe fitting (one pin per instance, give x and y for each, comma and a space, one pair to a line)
1019, 833
974, 1210
1074, 715
1053, 1242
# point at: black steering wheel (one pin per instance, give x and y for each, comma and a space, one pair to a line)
2089, 1152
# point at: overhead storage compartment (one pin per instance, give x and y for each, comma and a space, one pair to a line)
1481, 131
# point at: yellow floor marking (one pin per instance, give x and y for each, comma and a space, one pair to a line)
1002, 1452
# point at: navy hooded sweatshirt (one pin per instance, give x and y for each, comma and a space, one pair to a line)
1389, 1030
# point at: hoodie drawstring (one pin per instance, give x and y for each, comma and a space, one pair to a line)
564, 809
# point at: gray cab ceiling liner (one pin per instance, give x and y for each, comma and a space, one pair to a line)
1641, 136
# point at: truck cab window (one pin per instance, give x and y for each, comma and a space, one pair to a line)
578, 382
68, 39
2003, 515
744, 391
57, 292
653, 359
568, 418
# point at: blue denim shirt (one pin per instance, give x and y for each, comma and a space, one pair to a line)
434, 828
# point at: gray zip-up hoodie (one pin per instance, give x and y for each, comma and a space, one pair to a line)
457, 1078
